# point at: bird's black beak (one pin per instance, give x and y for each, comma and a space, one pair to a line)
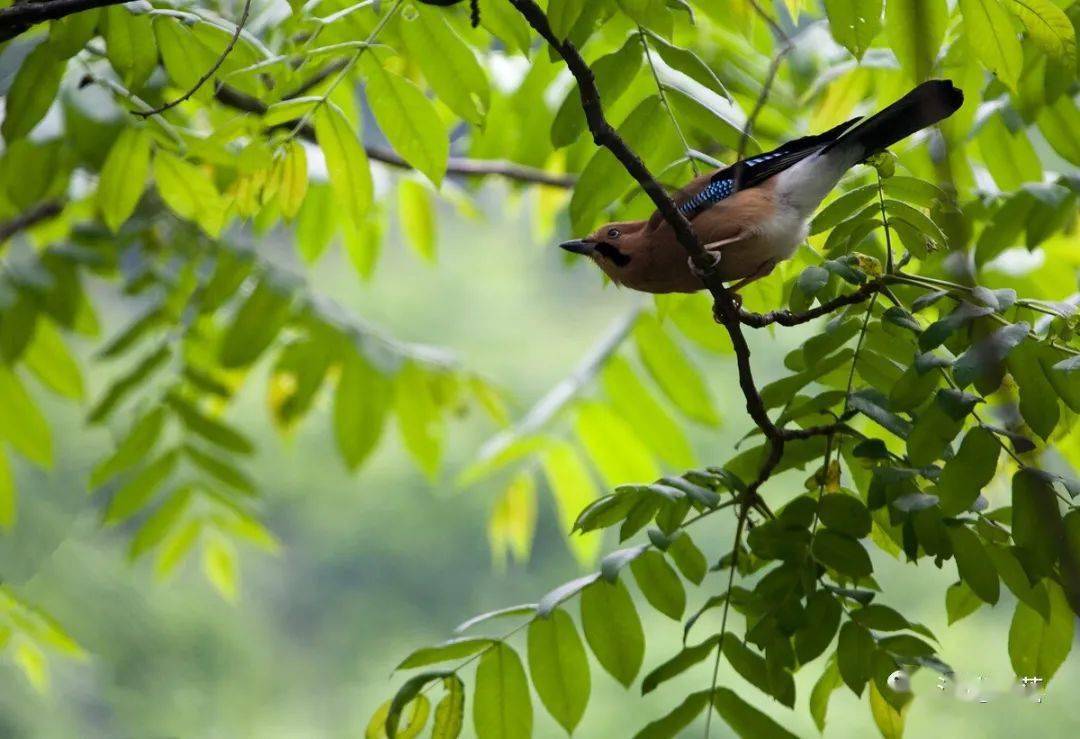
578, 246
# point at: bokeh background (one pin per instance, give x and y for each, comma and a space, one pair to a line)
375, 564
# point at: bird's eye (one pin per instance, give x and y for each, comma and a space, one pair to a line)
613, 233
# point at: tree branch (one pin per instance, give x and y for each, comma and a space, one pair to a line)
206, 75
19, 18
40, 212
231, 97
605, 135
787, 318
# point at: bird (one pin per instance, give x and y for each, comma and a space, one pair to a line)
754, 213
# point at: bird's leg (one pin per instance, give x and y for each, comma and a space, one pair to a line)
712, 249
764, 270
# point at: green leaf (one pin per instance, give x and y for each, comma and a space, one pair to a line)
992, 38
502, 708
387, 722
32, 91
448, 651
823, 689
845, 514
407, 119
49, 358
687, 62
21, 421
503, 21
1058, 122
211, 429
843, 207
889, 720
69, 35
220, 469
613, 72
346, 163
185, 57
573, 489
1008, 155
854, 656
755, 670
915, 29
563, 14
293, 185
985, 356
604, 179
778, 392
136, 492
448, 64
1038, 647
512, 522
1050, 29
129, 45
917, 219
688, 558
617, 452
854, 23
937, 426
361, 404
450, 713
1038, 399
745, 720
677, 719
166, 520
1016, 579
189, 191
554, 598
659, 584
649, 420
419, 417
973, 565
1036, 518
8, 495
679, 664
967, 473
124, 173
220, 567
255, 324
673, 372
613, 629
648, 13
822, 621
842, 553
416, 213
961, 601
559, 668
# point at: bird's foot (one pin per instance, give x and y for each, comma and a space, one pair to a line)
703, 274
736, 302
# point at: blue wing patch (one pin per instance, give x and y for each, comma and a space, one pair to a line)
719, 189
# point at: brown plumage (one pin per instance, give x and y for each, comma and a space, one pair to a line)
755, 213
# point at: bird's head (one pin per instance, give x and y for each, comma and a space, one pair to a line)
612, 246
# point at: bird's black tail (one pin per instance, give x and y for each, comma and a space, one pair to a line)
924, 106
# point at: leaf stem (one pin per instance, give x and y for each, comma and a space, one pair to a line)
346, 69
664, 101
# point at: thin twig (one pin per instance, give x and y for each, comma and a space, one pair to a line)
231, 97
347, 67
787, 318
664, 101
209, 73
37, 214
20, 17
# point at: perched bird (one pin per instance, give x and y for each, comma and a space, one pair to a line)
754, 213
